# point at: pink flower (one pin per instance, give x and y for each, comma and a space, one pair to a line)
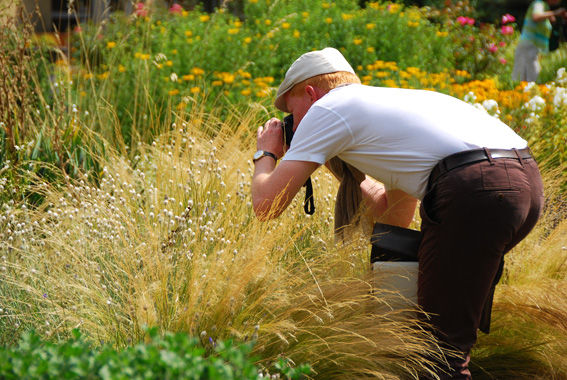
502, 44
503, 61
140, 10
176, 8
492, 48
507, 30
465, 20
508, 18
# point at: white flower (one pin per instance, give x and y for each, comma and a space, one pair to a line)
470, 98
561, 77
530, 86
491, 106
536, 104
560, 98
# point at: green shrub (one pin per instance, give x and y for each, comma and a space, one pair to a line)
173, 356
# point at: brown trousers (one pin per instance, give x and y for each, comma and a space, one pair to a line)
471, 217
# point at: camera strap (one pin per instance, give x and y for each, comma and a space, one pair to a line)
309, 205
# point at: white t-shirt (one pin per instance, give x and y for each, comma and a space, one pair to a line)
395, 136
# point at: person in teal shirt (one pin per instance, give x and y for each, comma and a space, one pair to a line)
535, 38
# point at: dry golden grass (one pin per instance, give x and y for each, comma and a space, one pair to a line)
170, 240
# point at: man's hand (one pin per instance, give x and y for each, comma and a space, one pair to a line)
270, 137
273, 187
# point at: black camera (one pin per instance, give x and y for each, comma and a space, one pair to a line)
288, 129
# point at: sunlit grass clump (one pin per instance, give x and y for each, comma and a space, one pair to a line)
170, 240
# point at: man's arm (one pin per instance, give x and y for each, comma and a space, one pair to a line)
393, 207
273, 188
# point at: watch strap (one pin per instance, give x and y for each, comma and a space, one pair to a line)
264, 153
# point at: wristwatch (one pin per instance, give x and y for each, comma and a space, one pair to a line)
261, 153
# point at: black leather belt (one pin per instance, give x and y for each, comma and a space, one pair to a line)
471, 156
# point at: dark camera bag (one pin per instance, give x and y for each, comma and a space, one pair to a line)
392, 243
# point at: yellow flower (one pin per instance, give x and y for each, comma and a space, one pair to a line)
144, 57
188, 33
346, 16
326, 5
188, 77
367, 78
181, 106
296, 33
195, 90
233, 31
393, 8
237, 24
262, 93
305, 14
88, 75
252, 1
357, 41
413, 24
286, 25
174, 52
121, 68
441, 34
204, 18
390, 83
217, 83
247, 40
246, 92
228, 78
159, 65
329, 20
111, 44
370, 49
370, 26
268, 22
103, 75
173, 92
244, 74
197, 71
269, 34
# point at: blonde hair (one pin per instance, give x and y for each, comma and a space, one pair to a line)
325, 82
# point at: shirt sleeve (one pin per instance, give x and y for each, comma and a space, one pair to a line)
321, 135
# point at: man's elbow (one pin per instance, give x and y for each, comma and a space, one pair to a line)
263, 210
266, 209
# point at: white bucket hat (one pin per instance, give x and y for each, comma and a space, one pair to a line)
326, 61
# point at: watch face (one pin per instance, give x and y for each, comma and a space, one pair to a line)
259, 154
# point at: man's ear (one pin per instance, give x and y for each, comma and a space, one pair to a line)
314, 93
